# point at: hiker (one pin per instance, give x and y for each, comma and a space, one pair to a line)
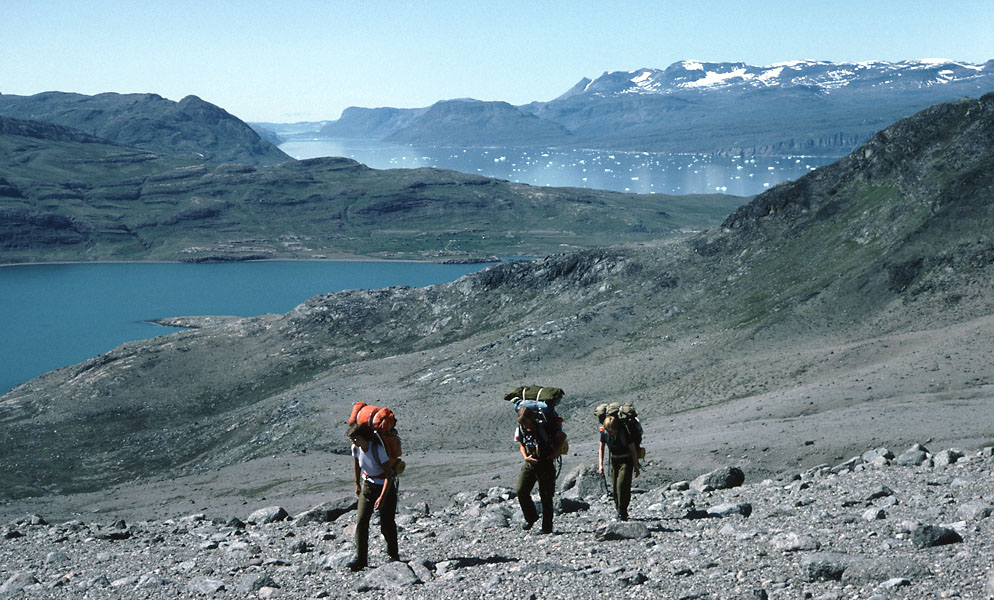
539, 449
377, 490
624, 462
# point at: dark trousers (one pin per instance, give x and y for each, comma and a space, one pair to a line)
543, 472
621, 480
388, 523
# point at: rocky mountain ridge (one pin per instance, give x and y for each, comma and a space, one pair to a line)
799, 107
191, 127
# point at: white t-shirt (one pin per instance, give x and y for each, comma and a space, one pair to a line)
372, 461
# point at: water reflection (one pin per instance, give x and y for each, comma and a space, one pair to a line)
636, 172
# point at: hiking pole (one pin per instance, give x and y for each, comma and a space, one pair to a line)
610, 488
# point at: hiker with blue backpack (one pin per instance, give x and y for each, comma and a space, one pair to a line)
541, 441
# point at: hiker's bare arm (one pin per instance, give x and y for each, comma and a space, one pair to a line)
383, 491
358, 483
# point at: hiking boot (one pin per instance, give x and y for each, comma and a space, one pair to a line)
546, 531
356, 565
527, 525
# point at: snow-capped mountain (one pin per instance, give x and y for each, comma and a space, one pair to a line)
798, 107
694, 75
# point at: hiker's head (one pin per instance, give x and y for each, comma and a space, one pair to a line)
526, 417
611, 425
360, 434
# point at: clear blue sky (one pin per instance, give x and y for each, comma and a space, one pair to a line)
287, 61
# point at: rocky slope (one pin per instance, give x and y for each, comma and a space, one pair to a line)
914, 525
191, 127
64, 196
850, 306
800, 107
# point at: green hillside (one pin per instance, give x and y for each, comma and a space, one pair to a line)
68, 200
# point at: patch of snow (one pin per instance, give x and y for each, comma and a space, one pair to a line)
769, 77
641, 78
712, 78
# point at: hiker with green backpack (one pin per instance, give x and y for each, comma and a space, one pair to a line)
621, 434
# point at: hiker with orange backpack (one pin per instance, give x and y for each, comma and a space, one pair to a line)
376, 488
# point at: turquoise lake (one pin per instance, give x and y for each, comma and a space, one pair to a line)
58, 315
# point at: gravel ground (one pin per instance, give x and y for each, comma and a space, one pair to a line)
914, 525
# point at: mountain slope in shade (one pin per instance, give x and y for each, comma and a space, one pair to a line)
65, 195
190, 127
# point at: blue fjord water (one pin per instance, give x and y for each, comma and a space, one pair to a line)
57, 315
634, 172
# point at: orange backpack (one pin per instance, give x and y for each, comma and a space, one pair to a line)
384, 423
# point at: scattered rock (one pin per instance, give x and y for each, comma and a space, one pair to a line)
17, 582
570, 505
391, 576
730, 509
948, 457
974, 510
339, 560
253, 582
913, 456
205, 585
622, 530
871, 455
874, 514
794, 542
825, 566
928, 536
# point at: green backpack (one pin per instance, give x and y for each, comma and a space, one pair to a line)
628, 417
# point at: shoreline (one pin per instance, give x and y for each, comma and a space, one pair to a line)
342, 258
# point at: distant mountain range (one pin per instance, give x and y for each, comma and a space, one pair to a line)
190, 127
801, 107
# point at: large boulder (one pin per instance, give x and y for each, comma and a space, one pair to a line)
719, 479
913, 456
270, 514
327, 512
928, 536
583, 483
